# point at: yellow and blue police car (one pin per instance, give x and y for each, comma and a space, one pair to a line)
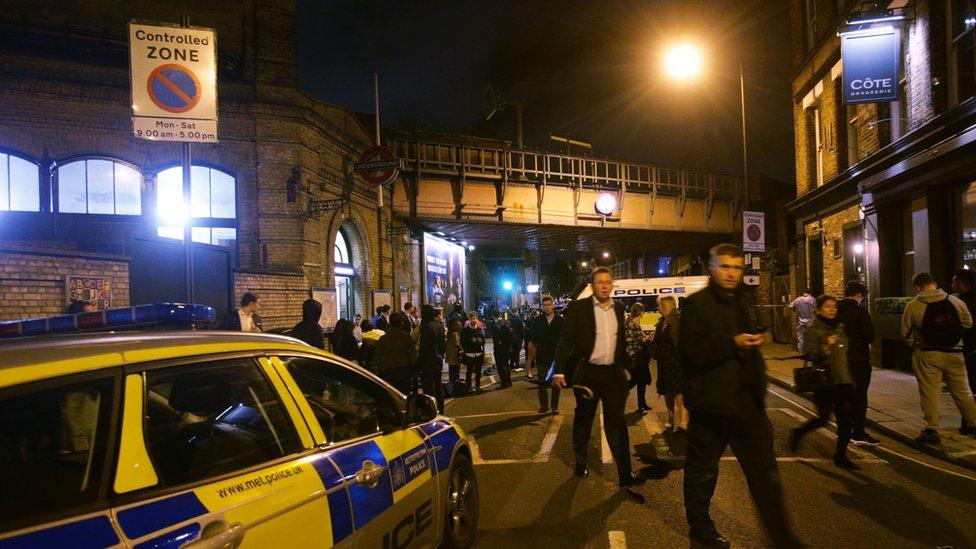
216, 439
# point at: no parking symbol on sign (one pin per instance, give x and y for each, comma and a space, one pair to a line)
174, 82
754, 231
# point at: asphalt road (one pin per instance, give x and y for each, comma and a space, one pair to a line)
530, 497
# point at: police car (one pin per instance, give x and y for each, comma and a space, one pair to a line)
216, 439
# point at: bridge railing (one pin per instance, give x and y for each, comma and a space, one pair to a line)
525, 166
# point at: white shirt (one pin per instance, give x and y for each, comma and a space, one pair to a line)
605, 341
247, 324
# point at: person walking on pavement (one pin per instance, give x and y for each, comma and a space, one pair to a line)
725, 390
517, 328
804, 307
860, 334
309, 330
456, 314
544, 334
592, 352
242, 319
453, 354
964, 288
502, 345
473, 343
827, 346
668, 367
396, 355
430, 357
637, 346
935, 322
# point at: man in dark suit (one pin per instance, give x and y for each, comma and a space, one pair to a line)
544, 335
244, 319
592, 353
725, 389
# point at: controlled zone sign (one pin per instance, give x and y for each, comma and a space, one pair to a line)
377, 165
753, 231
173, 73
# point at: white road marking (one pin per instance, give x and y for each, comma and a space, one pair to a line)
618, 540
549, 440
881, 448
798, 459
605, 455
494, 414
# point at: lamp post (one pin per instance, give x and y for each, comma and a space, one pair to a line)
684, 62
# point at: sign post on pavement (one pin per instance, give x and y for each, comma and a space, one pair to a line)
753, 232
173, 78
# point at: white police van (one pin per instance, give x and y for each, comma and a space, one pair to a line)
646, 290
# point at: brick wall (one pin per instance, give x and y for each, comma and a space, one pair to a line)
831, 227
32, 282
281, 296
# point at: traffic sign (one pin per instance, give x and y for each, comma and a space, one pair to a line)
753, 231
751, 280
377, 165
173, 72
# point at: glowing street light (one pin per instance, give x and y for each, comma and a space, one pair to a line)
507, 285
584, 264
606, 255
683, 61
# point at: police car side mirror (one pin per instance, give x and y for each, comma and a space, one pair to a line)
421, 408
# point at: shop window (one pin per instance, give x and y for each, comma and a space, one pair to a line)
818, 145
99, 186
213, 203
20, 188
853, 150
967, 220
963, 49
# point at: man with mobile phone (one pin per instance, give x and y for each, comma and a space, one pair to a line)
725, 389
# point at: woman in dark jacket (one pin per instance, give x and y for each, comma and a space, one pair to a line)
639, 358
502, 346
308, 330
430, 357
396, 355
343, 342
668, 367
825, 344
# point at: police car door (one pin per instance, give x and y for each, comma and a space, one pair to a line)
212, 456
55, 442
386, 467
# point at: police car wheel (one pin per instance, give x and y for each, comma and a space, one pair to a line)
461, 521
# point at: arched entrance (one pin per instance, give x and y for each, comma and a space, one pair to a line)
345, 275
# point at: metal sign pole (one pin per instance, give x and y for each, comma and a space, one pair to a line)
187, 203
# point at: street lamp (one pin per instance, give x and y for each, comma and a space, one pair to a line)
606, 255
683, 62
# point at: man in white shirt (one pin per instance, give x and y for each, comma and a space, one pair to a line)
592, 353
242, 319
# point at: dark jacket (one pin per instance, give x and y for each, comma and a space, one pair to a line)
816, 350
859, 331
430, 357
545, 336
231, 321
473, 340
969, 335
308, 330
576, 344
382, 323
716, 372
395, 350
502, 340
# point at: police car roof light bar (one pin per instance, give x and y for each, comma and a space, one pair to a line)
152, 314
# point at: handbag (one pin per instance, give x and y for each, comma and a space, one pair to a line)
810, 377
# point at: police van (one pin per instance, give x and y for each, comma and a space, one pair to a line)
646, 291
216, 439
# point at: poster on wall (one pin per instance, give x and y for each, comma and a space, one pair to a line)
330, 307
382, 297
443, 272
97, 290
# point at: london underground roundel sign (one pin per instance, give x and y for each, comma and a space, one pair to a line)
377, 165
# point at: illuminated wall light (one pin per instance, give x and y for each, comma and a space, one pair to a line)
859, 248
532, 288
605, 204
606, 255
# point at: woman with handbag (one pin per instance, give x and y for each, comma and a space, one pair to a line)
640, 373
826, 345
668, 368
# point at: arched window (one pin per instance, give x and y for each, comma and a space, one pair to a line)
341, 249
20, 188
213, 202
345, 275
99, 186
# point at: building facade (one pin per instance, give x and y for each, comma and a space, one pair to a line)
87, 210
885, 189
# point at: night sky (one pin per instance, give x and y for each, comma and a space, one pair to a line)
587, 69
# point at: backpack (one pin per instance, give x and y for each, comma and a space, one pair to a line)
941, 328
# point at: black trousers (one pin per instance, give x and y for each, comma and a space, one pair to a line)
398, 377
641, 394
473, 365
751, 436
839, 400
608, 390
547, 399
431, 381
516, 351
971, 371
503, 363
859, 406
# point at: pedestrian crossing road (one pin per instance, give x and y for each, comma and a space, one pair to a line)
529, 496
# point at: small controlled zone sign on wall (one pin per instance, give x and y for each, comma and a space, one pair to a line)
173, 73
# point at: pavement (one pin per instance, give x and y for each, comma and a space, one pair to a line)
529, 496
893, 407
